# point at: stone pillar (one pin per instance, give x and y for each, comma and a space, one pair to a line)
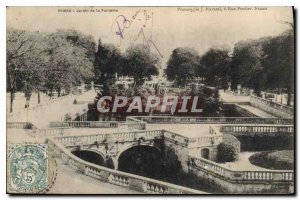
197, 86
82, 88
239, 88
92, 85
263, 94
251, 92
229, 86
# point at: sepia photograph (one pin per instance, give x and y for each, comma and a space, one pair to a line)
150, 100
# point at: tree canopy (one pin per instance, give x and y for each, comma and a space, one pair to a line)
108, 62
47, 60
261, 64
214, 66
182, 65
140, 63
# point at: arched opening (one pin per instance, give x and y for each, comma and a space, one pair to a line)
150, 162
141, 160
94, 157
205, 153
162, 164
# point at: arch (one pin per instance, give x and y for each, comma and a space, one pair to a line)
205, 153
125, 148
94, 157
141, 160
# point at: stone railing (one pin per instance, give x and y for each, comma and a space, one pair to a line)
132, 126
211, 120
176, 138
134, 120
133, 136
85, 124
41, 106
272, 107
129, 136
51, 132
123, 179
257, 129
101, 124
19, 125
235, 176
214, 137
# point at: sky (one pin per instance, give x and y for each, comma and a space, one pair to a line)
161, 28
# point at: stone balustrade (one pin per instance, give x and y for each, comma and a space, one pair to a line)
211, 120
214, 137
133, 125
101, 124
50, 132
201, 141
41, 106
85, 124
109, 137
257, 129
19, 125
272, 107
133, 136
116, 177
232, 175
134, 120
175, 138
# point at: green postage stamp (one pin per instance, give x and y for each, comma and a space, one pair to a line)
28, 168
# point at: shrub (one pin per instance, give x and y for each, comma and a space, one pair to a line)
28, 126
68, 117
226, 153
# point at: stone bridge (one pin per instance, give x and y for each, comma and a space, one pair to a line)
196, 154
123, 179
111, 146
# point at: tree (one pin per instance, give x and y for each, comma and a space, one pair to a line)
182, 65
56, 60
246, 65
214, 65
278, 61
22, 53
108, 62
70, 59
140, 63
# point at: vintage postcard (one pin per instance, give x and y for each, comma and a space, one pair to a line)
150, 100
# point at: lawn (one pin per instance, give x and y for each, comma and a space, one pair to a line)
283, 160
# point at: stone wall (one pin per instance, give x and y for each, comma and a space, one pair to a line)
244, 187
276, 109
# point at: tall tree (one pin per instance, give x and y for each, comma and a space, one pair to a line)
140, 63
182, 65
215, 65
278, 61
20, 47
108, 62
246, 65
70, 59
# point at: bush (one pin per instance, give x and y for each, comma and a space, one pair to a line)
28, 126
226, 153
67, 117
